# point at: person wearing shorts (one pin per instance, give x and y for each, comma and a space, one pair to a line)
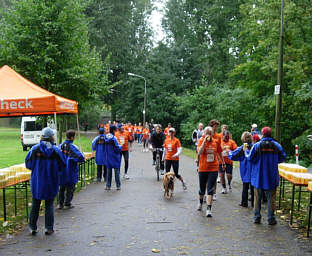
172, 150
226, 144
209, 150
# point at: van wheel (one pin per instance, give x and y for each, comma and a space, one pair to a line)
24, 148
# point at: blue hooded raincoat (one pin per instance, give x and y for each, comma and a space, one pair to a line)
112, 152
245, 165
98, 145
45, 162
265, 156
72, 155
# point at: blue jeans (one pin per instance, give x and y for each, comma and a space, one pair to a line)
109, 177
34, 214
140, 138
66, 194
258, 193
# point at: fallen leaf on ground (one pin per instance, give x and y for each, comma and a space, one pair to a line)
155, 251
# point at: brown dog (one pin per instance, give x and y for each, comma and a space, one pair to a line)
169, 179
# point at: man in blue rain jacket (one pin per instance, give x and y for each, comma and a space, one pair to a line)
98, 146
69, 176
265, 156
45, 161
112, 158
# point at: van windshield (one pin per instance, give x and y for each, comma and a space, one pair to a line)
32, 126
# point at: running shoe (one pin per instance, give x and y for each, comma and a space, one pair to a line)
107, 188
162, 172
214, 197
126, 176
49, 232
33, 232
223, 191
208, 213
272, 222
184, 185
199, 207
230, 188
257, 221
67, 207
60, 206
118, 188
154, 162
218, 179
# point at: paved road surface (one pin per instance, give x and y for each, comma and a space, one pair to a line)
137, 219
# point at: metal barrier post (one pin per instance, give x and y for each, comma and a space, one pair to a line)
4, 205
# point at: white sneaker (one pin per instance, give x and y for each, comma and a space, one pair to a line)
218, 179
214, 197
230, 188
223, 191
199, 207
208, 213
126, 176
184, 185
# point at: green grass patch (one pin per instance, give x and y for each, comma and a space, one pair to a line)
189, 152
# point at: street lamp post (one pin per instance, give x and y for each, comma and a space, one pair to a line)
278, 112
144, 108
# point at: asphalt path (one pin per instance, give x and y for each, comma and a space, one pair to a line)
138, 219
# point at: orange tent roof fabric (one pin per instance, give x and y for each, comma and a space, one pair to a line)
20, 97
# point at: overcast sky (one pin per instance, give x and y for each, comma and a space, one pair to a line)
156, 21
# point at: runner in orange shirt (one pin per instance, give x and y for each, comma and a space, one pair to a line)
172, 150
139, 132
124, 139
209, 150
146, 135
214, 124
226, 144
166, 131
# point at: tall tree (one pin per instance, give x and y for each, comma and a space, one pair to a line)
48, 42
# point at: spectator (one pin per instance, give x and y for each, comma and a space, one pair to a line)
254, 130
197, 134
112, 158
69, 175
265, 156
45, 161
99, 147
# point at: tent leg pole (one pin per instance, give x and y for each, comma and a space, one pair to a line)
55, 122
77, 119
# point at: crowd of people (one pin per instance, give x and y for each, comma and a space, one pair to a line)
55, 168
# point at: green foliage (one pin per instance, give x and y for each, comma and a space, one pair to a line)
48, 42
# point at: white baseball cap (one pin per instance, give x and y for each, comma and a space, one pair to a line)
254, 126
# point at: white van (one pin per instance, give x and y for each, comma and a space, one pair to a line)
31, 131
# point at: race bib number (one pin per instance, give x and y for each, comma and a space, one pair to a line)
210, 155
122, 140
225, 153
129, 130
169, 147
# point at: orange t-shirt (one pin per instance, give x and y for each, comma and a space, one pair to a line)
209, 158
171, 146
139, 129
146, 133
123, 139
232, 146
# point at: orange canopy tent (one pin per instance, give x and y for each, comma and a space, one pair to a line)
20, 97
